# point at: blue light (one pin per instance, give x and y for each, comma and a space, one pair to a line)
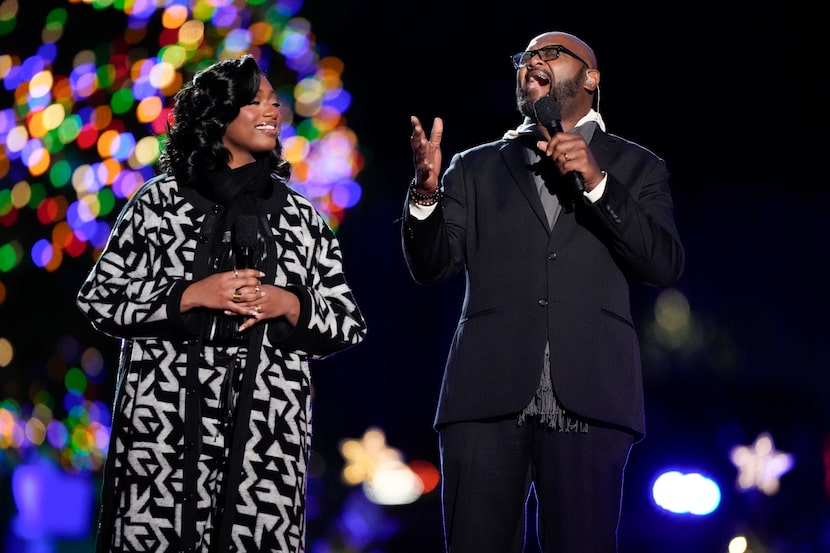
691, 493
50, 502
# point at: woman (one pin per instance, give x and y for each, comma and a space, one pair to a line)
222, 282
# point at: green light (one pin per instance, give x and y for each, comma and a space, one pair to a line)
6, 204
7, 25
308, 130
52, 141
8, 257
69, 130
75, 381
106, 75
60, 173
106, 201
122, 100
43, 397
37, 193
56, 17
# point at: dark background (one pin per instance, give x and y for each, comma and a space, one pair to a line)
729, 96
717, 90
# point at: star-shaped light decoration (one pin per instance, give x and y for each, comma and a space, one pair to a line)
386, 479
761, 465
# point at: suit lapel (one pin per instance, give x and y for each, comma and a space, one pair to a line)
514, 159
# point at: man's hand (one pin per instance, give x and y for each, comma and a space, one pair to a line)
426, 154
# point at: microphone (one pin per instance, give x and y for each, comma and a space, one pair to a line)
549, 116
245, 241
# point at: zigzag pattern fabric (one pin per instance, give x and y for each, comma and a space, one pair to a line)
210, 444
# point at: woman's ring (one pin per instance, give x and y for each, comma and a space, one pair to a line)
258, 309
566, 156
237, 295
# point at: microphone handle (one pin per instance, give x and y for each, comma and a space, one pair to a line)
244, 257
575, 177
576, 180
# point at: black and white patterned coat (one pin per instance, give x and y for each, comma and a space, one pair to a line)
182, 474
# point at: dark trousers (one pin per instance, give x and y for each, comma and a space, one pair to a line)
490, 467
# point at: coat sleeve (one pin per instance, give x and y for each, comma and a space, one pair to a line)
127, 294
330, 319
636, 210
434, 247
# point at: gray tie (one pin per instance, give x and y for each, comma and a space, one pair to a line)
549, 201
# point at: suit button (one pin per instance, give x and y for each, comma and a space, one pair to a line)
543, 302
552, 256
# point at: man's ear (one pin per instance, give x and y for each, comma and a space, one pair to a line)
591, 78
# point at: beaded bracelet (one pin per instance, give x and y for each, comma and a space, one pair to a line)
423, 199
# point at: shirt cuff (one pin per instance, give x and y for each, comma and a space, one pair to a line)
595, 194
421, 212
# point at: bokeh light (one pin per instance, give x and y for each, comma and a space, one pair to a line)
84, 129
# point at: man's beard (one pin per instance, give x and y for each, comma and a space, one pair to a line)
562, 93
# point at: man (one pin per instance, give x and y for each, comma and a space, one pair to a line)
542, 389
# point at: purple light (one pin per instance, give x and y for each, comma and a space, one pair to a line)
42, 253
32, 152
338, 99
123, 146
143, 88
7, 123
225, 16
57, 434
128, 182
101, 234
48, 52
13, 78
82, 81
346, 194
32, 66
50, 502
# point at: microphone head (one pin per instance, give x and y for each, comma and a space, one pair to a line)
245, 235
548, 113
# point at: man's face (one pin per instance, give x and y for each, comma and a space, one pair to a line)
560, 76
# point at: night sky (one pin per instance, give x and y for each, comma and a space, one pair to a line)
729, 100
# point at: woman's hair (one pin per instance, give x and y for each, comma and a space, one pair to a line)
202, 110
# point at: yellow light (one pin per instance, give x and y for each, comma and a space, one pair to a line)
35, 431
21, 194
53, 116
192, 34
6, 356
146, 152
161, 76
295, 148
40, 84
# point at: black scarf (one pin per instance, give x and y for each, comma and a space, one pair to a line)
241, 191
238, 189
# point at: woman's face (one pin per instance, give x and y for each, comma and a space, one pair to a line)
255, 129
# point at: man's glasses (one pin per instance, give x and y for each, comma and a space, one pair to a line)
546, 53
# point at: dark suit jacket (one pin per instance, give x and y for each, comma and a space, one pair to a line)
526, 285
